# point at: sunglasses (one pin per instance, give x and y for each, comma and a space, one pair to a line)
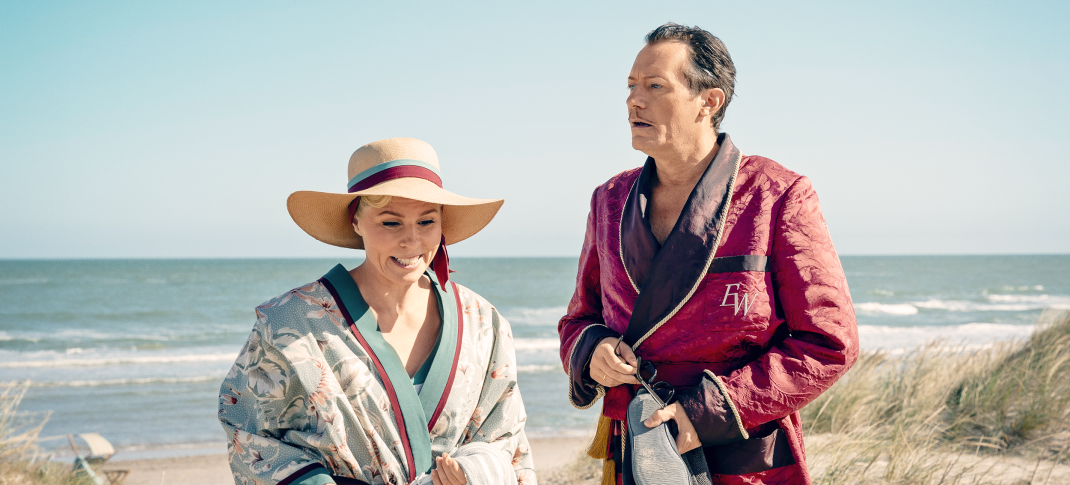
661, 391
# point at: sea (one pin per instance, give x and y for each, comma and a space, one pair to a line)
135, 350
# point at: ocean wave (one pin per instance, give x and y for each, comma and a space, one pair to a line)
535, 316
977, 329
533, 369
993, 303
584, 432
999, 306
966, 337
87, 337
157, 359
155, 317
171, 446
1024, 288
891, 309
1053, 301
536, 344
136, 381
23, 281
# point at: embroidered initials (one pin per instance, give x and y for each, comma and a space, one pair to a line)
738, 300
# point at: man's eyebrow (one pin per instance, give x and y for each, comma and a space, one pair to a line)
650, 76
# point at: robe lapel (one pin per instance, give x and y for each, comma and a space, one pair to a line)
638, 246
444, 366
408, 409
677, 268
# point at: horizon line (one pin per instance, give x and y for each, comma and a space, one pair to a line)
251, 258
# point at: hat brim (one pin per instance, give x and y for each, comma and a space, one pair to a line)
325, 216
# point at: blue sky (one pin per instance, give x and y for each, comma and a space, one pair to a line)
148, 129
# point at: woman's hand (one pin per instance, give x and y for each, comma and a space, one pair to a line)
613, 363
447, 471
687, 439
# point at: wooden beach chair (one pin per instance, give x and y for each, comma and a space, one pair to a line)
100, 450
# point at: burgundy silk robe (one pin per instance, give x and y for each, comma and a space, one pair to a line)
744, 310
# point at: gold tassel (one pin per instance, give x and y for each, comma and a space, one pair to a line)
602, 433
609, 472
599, 449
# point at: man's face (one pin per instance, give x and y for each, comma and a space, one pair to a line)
663, 113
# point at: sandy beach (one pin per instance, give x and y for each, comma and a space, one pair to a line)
554, 454
550, 454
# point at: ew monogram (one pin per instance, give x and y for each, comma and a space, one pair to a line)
739, 300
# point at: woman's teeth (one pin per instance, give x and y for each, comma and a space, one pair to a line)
407, 262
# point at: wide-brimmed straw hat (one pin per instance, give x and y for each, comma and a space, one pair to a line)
399, 167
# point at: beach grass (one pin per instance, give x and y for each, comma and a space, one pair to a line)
21, 459
940, 414
949, 414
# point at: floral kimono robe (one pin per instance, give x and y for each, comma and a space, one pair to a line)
318, 393
744, 310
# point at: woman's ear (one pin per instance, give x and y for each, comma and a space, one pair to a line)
356, 226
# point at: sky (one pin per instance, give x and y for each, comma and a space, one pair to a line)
178, 129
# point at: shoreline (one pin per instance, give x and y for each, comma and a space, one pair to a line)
550, 453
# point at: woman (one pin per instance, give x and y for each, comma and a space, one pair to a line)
386, 373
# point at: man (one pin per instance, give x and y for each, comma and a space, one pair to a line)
714, 266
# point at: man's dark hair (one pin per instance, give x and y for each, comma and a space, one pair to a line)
711, 66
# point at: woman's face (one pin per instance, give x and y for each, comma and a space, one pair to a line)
401, 238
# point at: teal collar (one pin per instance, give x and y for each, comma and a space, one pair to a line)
415, 408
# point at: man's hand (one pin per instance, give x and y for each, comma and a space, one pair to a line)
687, 439
447, 471
610, 370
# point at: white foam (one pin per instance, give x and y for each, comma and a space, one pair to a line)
532, 369
1011, 303
125, 382
970, 335
1049, 301
1024, 288
23, 281
158, 359
536, 344
69, 335
535, 316
891, 309
582, 432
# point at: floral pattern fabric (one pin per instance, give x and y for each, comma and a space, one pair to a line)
304, 392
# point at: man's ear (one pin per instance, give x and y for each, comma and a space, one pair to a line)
712, 101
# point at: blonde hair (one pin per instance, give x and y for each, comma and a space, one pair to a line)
376, 201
